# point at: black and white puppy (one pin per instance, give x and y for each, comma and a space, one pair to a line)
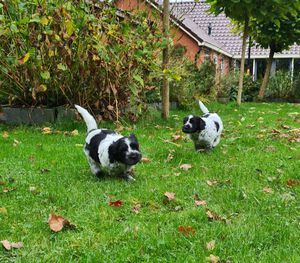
108, 151
204, 131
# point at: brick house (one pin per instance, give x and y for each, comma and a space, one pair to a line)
198, 44
221, 31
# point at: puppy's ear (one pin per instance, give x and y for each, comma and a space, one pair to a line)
200, 124
132, 137
113, 151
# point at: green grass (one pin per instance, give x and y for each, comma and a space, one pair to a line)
259, 227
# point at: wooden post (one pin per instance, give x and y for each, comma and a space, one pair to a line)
242, 69
165, 63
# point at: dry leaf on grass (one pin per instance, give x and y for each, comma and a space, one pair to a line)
136, 208
186, 230
213, 259
8, 245
211, 215
74, 133
211, 245
57, 222
46, 130
169, 195
7, 190
176, 137
212, 182
170, 155
268, 190
16, 143
5, 135
292, 182
116, 203
200, 203
185, 167
145, 160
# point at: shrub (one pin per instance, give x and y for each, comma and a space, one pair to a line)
229, 84
280, 86
58, 52
296, 86
196, 82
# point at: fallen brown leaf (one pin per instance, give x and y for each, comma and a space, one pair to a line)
5, 135
46, 130
57, 222
116, 203
185, 167
186, 230
8, 245
213, 259
74, 133
200, 203
145, 160
170, 196
176, 137
268, 190
211, 215
212, 182
211, 245
7, 190
292, 182
136, 208
170, 155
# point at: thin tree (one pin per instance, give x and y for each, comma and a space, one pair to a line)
240, 12
277, 35
165, 62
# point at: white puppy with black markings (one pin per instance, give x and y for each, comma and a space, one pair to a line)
108, 151
204, 131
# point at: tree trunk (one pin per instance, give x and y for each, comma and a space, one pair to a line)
166, 58
242, 68
265, 82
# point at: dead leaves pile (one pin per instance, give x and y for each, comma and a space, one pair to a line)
292, 135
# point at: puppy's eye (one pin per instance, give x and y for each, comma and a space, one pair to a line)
192, 121
185, 120
134, 146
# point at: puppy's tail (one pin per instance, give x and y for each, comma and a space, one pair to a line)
203, 108
88, 118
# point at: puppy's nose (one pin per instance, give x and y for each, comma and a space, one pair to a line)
136, 156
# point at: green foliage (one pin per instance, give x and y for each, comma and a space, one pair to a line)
280, 33
229, 86
63, 52
196, 82
280, 86
296, 85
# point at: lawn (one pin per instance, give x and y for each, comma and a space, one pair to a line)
249, 182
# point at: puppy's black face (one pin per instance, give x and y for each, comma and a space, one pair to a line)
192, 124
125, 150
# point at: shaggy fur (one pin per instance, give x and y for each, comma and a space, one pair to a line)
204, 131
108, 151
